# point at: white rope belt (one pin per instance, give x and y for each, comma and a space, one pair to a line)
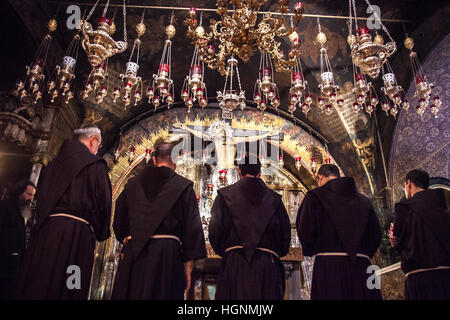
71, 217
341, 254
157, 236
427, 269
258, 248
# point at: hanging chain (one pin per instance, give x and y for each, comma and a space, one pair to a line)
172, 16
92, 11
226, 80
350, 22
124, 23
239, 79
132, 51
106, 8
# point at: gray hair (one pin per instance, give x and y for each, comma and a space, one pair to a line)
87, 132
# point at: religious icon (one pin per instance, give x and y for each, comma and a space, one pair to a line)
225, 143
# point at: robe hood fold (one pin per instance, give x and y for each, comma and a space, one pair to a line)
252, 205
150, 197
340, 200
72, 158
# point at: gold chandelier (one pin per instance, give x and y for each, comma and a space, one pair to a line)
98, 44
240, 33
368, 54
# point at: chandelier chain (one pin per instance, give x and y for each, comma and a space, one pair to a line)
105, 10
124, 22
92, 11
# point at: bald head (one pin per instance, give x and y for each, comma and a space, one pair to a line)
163, 155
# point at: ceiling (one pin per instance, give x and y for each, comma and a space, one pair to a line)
26, 21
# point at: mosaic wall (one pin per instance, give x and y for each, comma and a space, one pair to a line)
424, 142
421, 143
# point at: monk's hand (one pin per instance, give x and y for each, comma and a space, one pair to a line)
188, 270
392, 239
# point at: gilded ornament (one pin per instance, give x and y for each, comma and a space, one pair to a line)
140, 29
52, 25
170, 31
409, 43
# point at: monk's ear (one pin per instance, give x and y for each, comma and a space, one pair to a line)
154, 160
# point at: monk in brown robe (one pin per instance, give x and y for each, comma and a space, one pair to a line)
158, 221
73, 211
15, 212
421, 233
339, 226
250, 230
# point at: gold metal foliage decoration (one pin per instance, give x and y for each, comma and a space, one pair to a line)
241, 33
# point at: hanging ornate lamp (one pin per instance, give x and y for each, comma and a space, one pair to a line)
327, 86
62, 81
394, 96
368, 54
266, 90
117, 149
162, 90
281, 159
99, 47
32, 84
131, 81
298, 162
194, 87
423, 85
365, 95
148, 155
230, 99
97, 80
299, 91
313, 165
98, 44
131, 155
